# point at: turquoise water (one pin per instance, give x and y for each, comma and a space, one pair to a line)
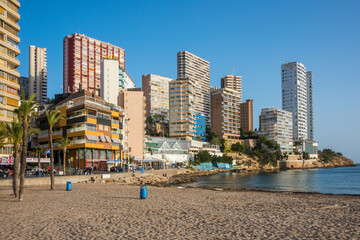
344, 180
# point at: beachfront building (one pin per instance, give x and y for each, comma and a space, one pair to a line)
94, 127
185, 123
233, 82
246, 116
294, 97
197, 70
9, 50
125, 80
310, 106
82, 62
24, 87
38, 73
276, 125
133, 103
156, 91
225, 113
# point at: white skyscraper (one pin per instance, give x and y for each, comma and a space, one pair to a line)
310, 106
38, 73
110, 80
294, 97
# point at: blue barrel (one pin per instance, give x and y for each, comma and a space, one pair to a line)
142, 170
143, 192
134, 170
68, 186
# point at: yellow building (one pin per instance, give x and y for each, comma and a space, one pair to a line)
9, 50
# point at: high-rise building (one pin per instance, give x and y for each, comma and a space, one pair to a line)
125, 81
24, 87
133, 103
184, 122
246, 115
198, 70
110, 80
82, 62
225, 113
310, 106
9, 50
294, 97
233, 82
276, 125
38, 73
156, 91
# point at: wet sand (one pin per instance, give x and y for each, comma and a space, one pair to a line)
114, 211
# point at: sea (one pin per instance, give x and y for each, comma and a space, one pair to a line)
341, 180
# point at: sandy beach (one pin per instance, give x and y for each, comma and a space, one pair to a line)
114, 211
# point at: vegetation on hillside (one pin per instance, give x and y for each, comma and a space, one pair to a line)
327, 155
205, 157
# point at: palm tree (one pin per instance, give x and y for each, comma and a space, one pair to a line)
26, 111
64, 143
38, 151
53, 117
13, 132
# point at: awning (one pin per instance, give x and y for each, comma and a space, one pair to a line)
115, 140
93, 138
102, 138
108, 139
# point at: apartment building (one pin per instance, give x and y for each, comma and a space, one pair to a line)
310, 106
156, 91
94, 127
24, 87
184, 121
233, 82
133, 103
198, 70
38, 73
225, 113
9, 50
276, 125
110, 80
125, 80
82, 62
295, 97
246, 115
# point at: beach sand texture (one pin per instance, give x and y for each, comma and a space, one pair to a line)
114, 211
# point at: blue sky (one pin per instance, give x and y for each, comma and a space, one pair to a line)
254, 37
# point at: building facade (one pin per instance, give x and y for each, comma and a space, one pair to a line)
9, 75
198, 70
184, 122
246, 116
93, 126
225, 113
233, 82
38, 73
156, 91
24, 87
110, 80
294, 97
125, 80
133, 103
82, 62
276, 125
310, 106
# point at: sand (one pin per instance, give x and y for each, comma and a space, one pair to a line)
114, 211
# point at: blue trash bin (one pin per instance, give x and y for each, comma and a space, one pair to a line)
68, 186
134, 170
142, 170
143, 192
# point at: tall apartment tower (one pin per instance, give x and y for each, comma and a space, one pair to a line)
276, 125
310, 106
233, 82
38, 73
156, 91
246, 115
9, 50
110, 80
294, 97
225, 113
184, 122
198, 70
82, 62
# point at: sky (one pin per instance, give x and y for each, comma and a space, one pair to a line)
249, 38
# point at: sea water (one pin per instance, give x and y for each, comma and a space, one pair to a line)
342, 180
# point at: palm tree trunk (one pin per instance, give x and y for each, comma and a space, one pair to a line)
23, 158
39, 164
64, 150
16, 170
51, 161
